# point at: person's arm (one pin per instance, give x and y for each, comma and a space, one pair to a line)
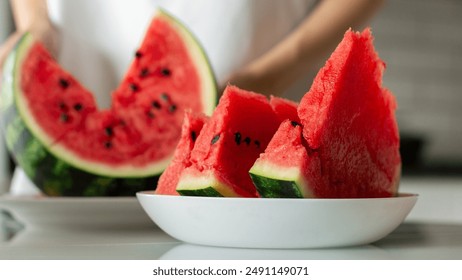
30, 16
308, 45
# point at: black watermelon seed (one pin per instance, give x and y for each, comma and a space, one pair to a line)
151, 115
63, 83
164, 96
78, 107
247, 140
62, 106
237, 138
138, 54
144, 72
134, 87
165, 72
193, 136
156, 104
257, 143
107, 145
64, 117
294, 123
215, 139
172, 108
108, 130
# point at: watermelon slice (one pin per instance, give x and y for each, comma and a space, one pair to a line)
349, 129
281, 170
67, 146
192, 126
230, 142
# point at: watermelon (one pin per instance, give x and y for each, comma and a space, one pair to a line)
281, 170
350, 133
192, 127
68, 146
239, 130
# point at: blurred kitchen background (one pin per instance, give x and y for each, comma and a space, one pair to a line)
421, 42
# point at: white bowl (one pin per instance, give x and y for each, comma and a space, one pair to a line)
276, 223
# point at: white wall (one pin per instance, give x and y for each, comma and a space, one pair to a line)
421, 42
5, 28
5, 19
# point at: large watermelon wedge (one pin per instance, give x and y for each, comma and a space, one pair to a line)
67, 146
350, 133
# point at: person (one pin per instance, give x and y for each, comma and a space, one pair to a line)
259, 45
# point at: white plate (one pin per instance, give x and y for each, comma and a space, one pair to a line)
276, 223
48, 213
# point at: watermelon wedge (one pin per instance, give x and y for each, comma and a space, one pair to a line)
67, 146
281, 170
192, 127
238, 131
350, 132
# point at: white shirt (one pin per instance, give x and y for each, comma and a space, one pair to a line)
99, 37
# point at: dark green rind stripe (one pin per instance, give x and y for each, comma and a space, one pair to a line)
53, 176
275, 188
208, 191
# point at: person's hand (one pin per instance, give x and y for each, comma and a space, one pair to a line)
45, 33
249, 81
254, 79
7, 46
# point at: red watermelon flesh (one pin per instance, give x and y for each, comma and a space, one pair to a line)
284, 108
137, 135
286, 147
349, 124
192, 126
230, 142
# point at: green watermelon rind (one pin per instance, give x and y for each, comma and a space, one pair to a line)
208, 191
204, 185
274, 181
209, 100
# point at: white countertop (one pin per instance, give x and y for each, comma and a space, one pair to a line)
433, 230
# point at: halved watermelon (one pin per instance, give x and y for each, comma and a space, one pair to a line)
67, 146
238, 131
349, 129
